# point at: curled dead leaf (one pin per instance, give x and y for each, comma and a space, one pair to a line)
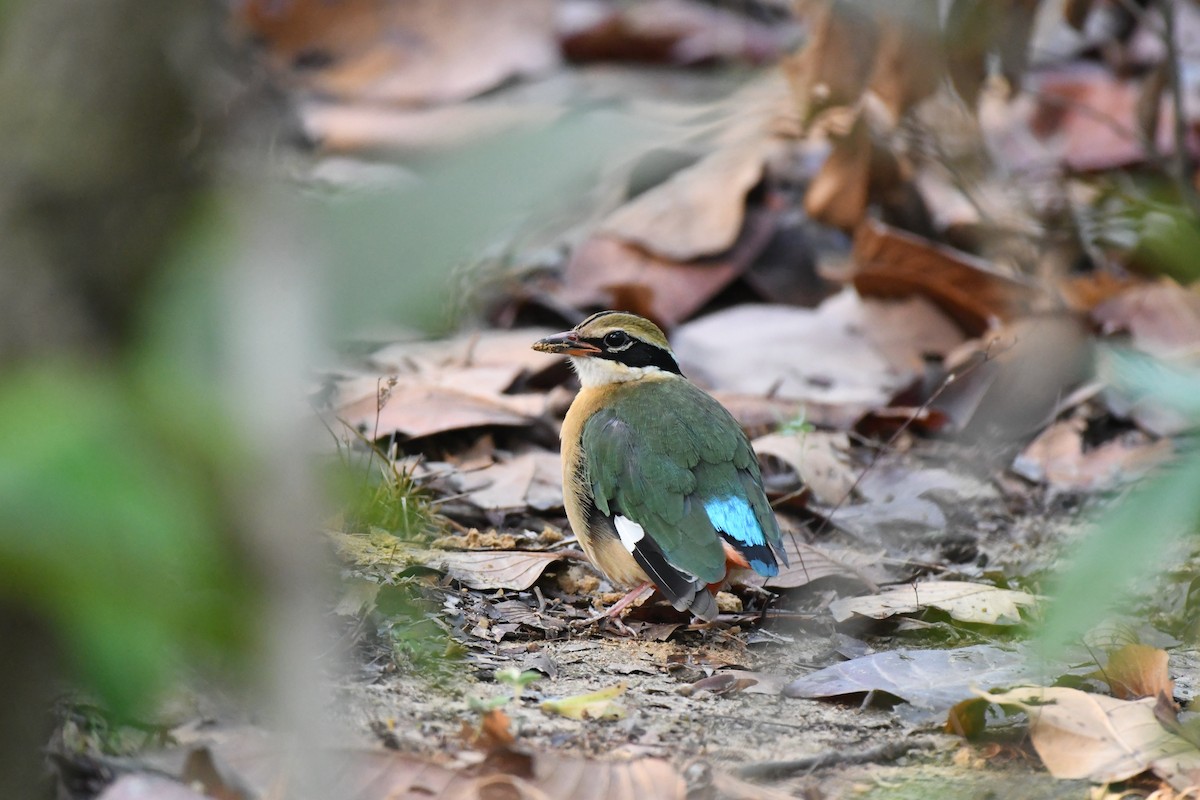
1079, 735
1138, 670
893, 263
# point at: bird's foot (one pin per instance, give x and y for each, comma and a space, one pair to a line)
613, 614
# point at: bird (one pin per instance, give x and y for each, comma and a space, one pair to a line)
661, 484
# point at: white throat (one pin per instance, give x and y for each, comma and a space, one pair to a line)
600, 371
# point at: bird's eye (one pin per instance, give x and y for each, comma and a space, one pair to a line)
616, 340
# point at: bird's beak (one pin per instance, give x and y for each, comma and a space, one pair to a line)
567, 344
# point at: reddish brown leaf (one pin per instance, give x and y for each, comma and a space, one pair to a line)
413, 52
610, 273
663, 32
894, 263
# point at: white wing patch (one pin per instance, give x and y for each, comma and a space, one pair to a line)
630, 532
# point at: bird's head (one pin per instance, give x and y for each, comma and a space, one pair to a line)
612, 347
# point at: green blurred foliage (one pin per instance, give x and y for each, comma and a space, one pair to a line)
392, 254
110, 523
1128, 543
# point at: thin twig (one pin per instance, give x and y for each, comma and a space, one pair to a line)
774, 770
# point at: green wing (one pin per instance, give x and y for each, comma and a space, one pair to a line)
659, 454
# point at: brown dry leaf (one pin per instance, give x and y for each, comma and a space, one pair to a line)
893, 263
834, 67
1162, 318
1138, 670
438, 386
676, 32
1084, 293
490, 569
818, 458
482, 569
839, 192
529, 480
610, 273
696, 212
966, 602
509, 773
1057, 458
1082, 736
402, 51
414, 411
829, 355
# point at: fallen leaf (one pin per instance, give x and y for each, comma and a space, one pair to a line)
607, 272
529, 480
416, 411
1138, 670
1057, 458
830, 355
413, 52
388, 775
1162, 318
595, 705
492, 569
892, 263
1095, 737
965, 602
932, 680
818, 458
664, 32
696, 212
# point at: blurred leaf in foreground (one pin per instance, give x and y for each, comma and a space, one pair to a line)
107, 521
1136, 533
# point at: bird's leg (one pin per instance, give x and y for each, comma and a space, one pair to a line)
640, 592
637, 593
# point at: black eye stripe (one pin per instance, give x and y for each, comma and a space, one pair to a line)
637, 354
